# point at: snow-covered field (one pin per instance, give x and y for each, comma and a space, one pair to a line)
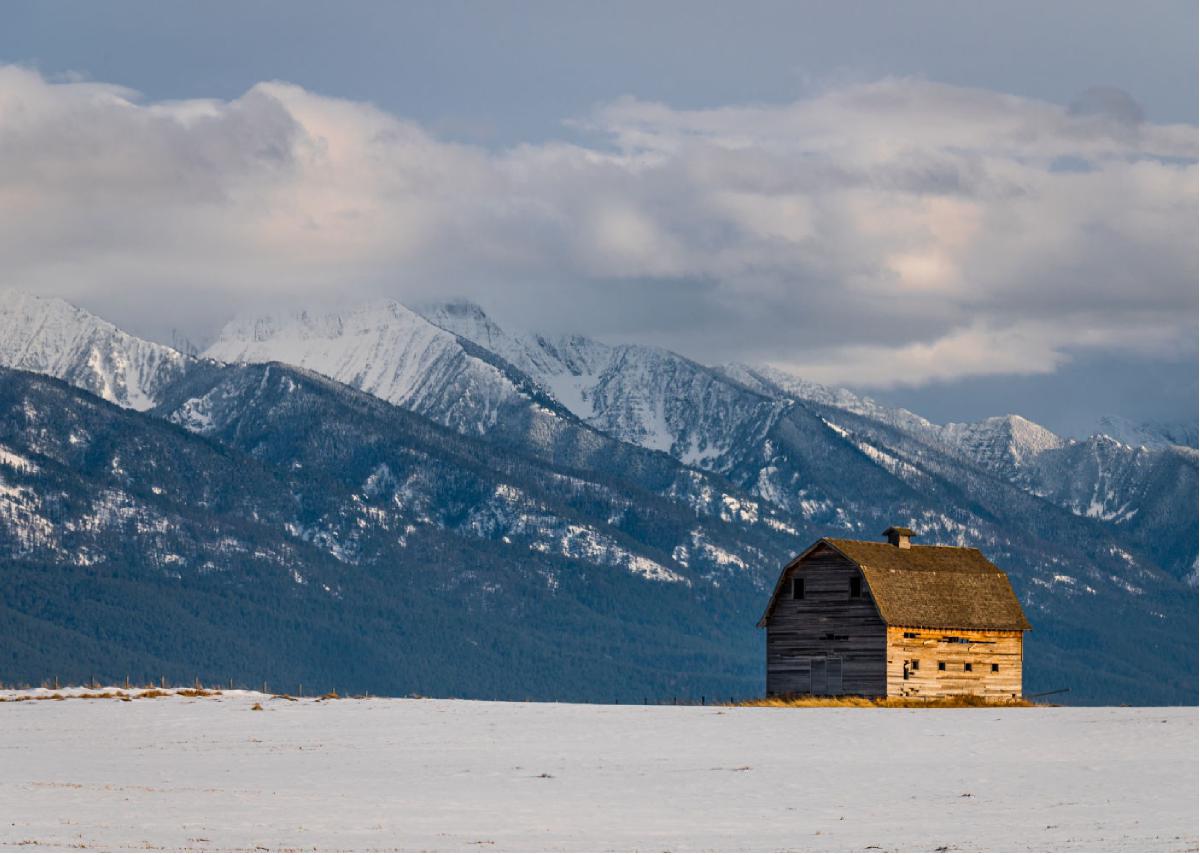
212, 773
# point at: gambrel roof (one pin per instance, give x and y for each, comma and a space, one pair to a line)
936, 587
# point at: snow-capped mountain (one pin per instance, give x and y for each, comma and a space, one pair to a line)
414, 474
1003, 444
785, 441
50, 336
381, 442
777, 383
647, 396
338, 525
739, 421
388, 351
1148, 434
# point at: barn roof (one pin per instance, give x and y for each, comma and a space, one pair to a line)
949, 587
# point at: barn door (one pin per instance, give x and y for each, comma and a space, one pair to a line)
804, 679
835, 675
818, 677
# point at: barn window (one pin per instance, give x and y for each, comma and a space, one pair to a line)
995, 667
912, 635
941, 666
967, 666
916, 664
855, 587
797, 588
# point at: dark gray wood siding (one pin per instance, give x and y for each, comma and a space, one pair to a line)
828, 642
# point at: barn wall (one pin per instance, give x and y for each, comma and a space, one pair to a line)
930, 646
798, 630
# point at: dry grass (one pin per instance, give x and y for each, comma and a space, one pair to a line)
117, 694
957, 702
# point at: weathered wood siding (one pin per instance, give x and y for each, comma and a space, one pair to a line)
982, 649
811, 641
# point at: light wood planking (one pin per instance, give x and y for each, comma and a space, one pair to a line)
981, 649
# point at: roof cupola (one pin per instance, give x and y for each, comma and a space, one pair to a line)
899, 536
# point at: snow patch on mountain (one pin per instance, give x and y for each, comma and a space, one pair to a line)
17, 462
512, 515
776, 382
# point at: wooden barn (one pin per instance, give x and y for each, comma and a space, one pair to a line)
855, 617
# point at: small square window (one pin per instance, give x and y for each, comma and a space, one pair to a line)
855, 587
995, 667
967, 666
797, 588
916, 664
941, 666
912, 635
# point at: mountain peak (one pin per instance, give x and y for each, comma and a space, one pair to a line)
50, 336
454, 307
385, 349
1001, 442
1147, 434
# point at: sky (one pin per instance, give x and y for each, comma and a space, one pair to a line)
967, 209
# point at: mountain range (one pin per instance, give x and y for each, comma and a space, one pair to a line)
402, 499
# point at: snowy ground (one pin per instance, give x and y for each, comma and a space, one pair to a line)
212, 773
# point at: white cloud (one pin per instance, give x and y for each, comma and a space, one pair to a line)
887, 233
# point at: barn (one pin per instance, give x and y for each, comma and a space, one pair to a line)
893, 619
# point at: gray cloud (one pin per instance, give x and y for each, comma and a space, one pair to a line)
1110, 101
887, 233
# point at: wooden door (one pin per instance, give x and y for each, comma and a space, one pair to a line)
819, 677
834, 671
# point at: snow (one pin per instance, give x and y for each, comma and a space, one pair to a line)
1147, 434
50, 336
213, 774
643, 395
18, 462
1001, 441
890, 462
382, 348
774, 381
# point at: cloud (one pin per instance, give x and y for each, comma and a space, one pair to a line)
889, 233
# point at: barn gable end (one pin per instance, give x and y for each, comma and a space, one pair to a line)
825, 641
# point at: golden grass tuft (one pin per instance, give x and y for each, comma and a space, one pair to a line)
257, 707
955, 702
329, 696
